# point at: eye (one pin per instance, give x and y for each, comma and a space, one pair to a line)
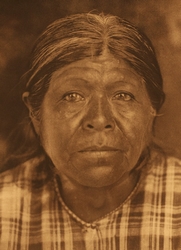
73, 97
124, 96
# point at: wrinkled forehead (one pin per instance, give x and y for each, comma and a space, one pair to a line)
101, 70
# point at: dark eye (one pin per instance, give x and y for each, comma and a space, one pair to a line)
73, 97
123, 96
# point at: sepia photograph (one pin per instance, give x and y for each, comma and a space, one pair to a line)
90, 125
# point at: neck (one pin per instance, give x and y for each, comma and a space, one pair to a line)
96, 202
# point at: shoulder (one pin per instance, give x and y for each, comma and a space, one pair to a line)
24, 176
162, 163
25, 193
173, 163
163, 174
173, 174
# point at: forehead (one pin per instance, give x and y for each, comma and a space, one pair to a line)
103, 69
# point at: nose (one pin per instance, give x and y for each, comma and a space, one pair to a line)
99, 116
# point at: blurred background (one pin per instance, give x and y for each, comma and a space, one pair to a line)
21, 21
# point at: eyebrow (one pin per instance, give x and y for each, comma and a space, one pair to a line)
86, 84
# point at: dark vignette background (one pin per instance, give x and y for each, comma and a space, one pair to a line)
21, 21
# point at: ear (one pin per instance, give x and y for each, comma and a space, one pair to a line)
34, 120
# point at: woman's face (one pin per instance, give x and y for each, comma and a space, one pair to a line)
96, 120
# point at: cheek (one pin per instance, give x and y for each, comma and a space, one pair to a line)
142, 127
136, 125
54, 141
56, 133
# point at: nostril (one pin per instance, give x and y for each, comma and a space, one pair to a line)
90, 126
108, 126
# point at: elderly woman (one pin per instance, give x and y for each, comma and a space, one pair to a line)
96, 181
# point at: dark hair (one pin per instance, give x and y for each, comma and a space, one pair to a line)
87, 35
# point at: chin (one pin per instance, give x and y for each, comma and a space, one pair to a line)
101, 176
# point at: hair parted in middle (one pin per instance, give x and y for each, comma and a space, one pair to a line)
83, 36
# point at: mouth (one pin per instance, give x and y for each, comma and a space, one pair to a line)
99, 149
104, 156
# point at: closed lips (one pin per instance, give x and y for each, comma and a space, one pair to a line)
99, 149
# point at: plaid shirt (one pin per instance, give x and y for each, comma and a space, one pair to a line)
33, 217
